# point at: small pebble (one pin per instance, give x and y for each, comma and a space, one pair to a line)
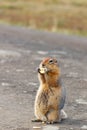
36, 127
81, 101
84, 127
19, 70
42, 52
4, 84
24, 91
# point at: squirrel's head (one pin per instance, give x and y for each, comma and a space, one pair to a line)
49, 66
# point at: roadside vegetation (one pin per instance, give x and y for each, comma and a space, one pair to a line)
69, 16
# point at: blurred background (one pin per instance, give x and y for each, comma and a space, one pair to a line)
67, 16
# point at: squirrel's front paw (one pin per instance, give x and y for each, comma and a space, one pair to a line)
42, 70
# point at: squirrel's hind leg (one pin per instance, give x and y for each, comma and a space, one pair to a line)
52, 116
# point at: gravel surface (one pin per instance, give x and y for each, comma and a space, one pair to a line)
21, 50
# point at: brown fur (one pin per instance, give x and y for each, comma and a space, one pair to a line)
49, 93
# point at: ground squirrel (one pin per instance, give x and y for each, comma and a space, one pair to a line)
51, 95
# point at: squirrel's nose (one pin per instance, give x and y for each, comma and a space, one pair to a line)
43, 65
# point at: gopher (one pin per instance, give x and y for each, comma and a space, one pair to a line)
50, 97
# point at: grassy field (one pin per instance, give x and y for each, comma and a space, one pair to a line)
69, 16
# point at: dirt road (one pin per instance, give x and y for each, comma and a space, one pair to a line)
21, 51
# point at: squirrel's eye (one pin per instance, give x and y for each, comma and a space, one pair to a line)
51, 61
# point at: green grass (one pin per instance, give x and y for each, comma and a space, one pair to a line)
68, 16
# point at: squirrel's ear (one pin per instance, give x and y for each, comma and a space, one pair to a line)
55, 61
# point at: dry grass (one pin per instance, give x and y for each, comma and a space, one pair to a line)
53, 15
